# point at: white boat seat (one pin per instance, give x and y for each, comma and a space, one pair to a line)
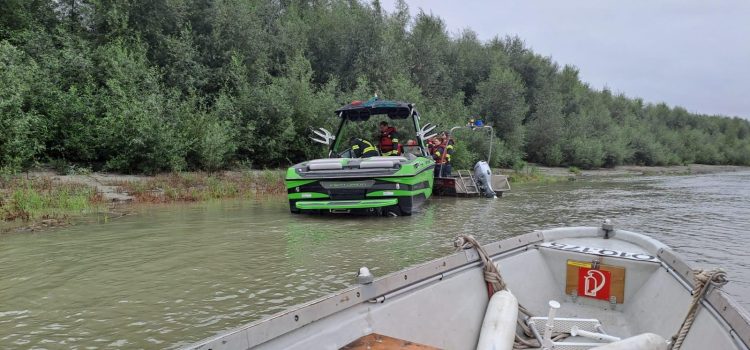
325, 160
398, 159
325, 166
370, 164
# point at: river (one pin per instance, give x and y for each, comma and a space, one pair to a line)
172, 275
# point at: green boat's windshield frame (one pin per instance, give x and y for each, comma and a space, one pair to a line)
348, 117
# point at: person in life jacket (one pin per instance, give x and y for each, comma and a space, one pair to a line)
389, 145
441, 152
363, 148
431, 145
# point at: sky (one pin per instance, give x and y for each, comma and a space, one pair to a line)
689, 53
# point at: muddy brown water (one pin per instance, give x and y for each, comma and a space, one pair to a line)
170, 276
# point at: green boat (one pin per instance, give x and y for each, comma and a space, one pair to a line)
377, 185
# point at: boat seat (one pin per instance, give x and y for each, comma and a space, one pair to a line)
376, 341
398, 159
381, 162
369, 164
325, 160
325, 164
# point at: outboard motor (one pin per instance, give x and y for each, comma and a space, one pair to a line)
483, 177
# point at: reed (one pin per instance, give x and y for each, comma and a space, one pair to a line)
41, 201
201, 186
26, 200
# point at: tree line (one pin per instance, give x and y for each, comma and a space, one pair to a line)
169, 85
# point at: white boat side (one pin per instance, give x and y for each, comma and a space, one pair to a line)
442, 303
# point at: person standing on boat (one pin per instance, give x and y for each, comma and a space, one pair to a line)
362, 148
441, 153
389, 145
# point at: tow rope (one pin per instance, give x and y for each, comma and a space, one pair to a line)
703, 280
492, 276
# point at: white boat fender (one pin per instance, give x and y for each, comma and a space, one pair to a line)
499, 325
645, 341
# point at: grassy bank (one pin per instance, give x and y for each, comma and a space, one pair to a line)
194, 187
44, 201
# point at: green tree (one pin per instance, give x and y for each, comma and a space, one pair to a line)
22, 133
500, 100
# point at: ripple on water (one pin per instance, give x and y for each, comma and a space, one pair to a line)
174, 275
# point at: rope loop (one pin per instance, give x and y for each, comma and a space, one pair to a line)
703, 281
492, 276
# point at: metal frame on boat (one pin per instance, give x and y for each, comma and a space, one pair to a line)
338, 319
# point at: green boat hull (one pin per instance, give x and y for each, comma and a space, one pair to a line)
349, 189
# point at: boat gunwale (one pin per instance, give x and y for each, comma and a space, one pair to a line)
295, 317
716, 300
263, 330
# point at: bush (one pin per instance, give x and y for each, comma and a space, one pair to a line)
519, 166
22, 129
217, 145
586, 154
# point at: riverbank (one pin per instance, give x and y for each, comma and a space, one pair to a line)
42, 199
542, 174
637, 170
38, 200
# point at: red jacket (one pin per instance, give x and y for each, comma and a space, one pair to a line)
388, 140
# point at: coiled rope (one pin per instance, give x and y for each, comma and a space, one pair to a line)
492, 276
495, 283
703, 280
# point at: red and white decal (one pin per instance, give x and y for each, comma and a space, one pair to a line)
594, 283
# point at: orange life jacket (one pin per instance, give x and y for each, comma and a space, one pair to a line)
389, 141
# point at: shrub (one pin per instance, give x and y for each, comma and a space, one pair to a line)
217, 145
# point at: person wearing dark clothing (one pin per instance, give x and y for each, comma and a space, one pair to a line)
363, 148
389, 145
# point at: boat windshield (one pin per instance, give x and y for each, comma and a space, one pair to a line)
369, 130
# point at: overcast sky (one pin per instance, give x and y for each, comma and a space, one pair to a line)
690, 53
